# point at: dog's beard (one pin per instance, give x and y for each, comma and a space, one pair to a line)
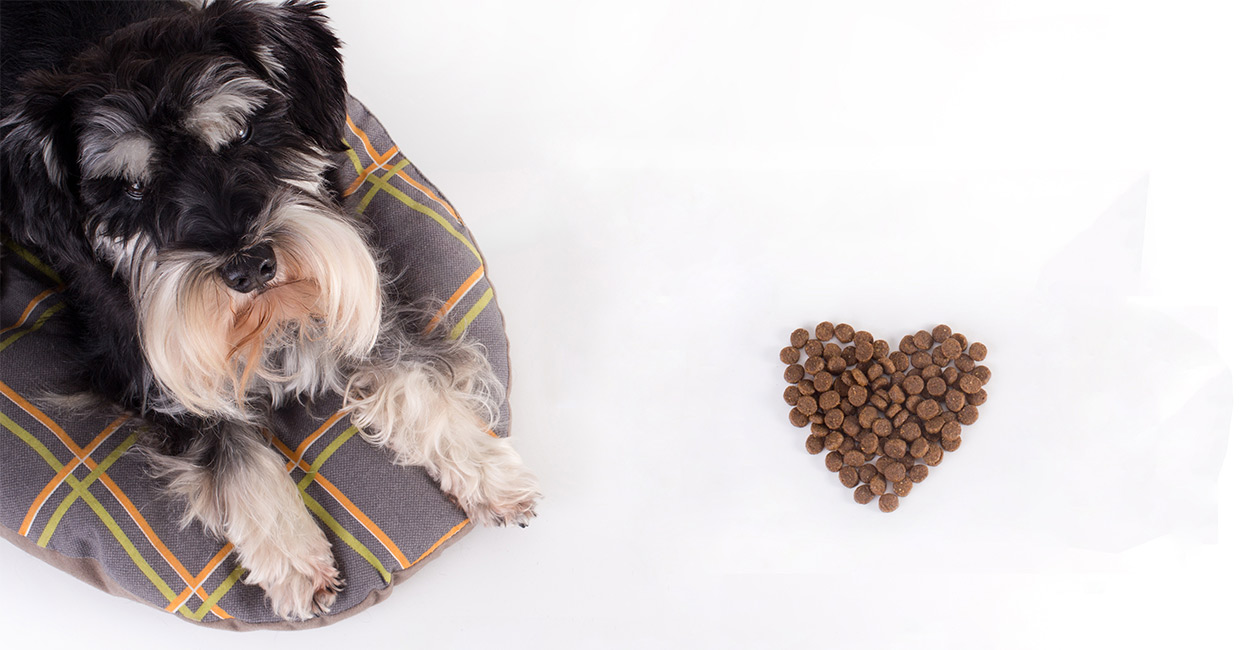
210, 347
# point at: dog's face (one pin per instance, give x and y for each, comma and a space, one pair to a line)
186, 154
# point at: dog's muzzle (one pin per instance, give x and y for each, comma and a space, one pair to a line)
250, 269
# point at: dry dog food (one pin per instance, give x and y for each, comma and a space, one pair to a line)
883, 417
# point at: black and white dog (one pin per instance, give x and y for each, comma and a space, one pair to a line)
167, 160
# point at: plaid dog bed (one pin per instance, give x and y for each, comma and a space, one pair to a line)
71, 494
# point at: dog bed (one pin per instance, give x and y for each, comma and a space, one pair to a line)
71, 494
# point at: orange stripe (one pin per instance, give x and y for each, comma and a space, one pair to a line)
455, 298
150, 534
368, 170
56, 481
379, 160
345, 502
303, 446
31, 307
455, 529
39, 415
199, 579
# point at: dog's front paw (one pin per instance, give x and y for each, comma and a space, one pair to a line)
303, 590
505, 492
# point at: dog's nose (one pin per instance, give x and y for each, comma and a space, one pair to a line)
250, 269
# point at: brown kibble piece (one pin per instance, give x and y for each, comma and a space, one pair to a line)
983, 373
863, 494
930, 372
866, 473
798, 338
880, 349
824, 331
807, 387
848, 476
828, 401
867, 416
854, 458
882, 427
836, 365
911, 402
789, 355
919, 447
797, 418
921, 360
806, 405
913, 385
978, 398
950, 445
951, 348
962, 340
831, 350
847, 445
950, 375
863, 353
895, 448
936, 386
968, 415
833, 418
977, 351
857, 395
815, 349
833, 440
815, 444
819, 429
894, 471
918, 473
822, 381
941, 333
877, 485
928, 409
956, 400
907, 345
875, 370
793, 373
845, 333
934, 457
902, 487
791, 395
851, 427
969, 383
951, 430
923, 340
888, 502
965, 363
909, 431
833, 461
859, 377
868, 442
863, 339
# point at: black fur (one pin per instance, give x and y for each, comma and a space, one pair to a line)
61, 61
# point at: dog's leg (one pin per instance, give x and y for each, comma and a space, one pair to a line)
433, 409
239, 489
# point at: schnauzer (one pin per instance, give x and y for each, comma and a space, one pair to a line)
169, 162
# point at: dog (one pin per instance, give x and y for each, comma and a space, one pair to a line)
168, 161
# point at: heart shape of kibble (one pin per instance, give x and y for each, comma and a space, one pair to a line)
883, 417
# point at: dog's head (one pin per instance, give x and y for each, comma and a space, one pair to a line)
186, 154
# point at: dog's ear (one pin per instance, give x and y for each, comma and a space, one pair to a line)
291, 45
38, 165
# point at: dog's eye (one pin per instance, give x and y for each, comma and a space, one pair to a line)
136, 189
243, 133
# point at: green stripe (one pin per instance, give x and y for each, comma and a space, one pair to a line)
34, 443
351, 153
325, 455
217, 594
80, 489
473, 312
133, 552
31, 259
43, 318
325, 516
415, 205
379, 184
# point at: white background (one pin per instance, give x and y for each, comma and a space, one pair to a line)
664, 190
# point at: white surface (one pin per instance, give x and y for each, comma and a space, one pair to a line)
665, 190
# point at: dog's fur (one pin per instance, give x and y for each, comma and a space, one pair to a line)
150, 148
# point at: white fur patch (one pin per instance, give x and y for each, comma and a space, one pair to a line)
223, 108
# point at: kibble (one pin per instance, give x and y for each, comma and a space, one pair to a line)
882, 418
